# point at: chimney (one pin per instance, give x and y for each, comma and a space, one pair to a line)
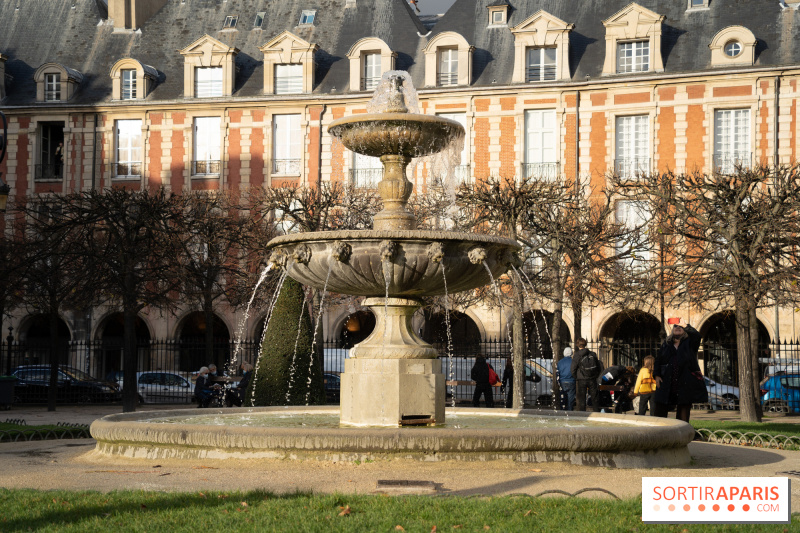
131, 14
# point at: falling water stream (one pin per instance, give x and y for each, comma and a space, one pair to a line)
316, 328
292, 367
281, 282
449, 337
243, 321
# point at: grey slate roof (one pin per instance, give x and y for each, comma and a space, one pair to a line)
80, 38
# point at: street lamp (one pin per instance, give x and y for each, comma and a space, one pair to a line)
4, 188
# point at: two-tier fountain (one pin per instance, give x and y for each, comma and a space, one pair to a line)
393, 378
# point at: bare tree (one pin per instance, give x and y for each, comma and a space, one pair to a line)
736, 241
12, 266
130, 239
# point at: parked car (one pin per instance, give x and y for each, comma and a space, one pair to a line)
333, 385
722, 396
162, 387
781, 394
73, 385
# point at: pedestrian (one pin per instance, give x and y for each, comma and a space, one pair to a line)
566, 380
679, 381
508, 382
202, 388
237, 393
480, 375
586, 367
646, 386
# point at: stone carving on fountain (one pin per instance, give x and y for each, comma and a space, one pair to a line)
393, 265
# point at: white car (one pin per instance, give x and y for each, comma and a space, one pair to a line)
163, 387
722, 396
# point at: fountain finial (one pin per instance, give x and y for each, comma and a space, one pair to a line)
397, 102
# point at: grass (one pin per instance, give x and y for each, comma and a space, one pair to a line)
772, 428
10, 432
30, 510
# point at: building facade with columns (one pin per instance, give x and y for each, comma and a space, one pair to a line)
224, 95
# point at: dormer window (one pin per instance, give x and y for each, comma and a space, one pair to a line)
498, 13
288, 64
698, 4
259, 19
633, 57
52, 87
733, 48
131, 80
230, 22
208, 68
734, 45
541, 64
369, 59
207, 82
448, 60
307, 16
56, 83
633, 41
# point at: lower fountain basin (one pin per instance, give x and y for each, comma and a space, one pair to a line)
355, 262
595, 439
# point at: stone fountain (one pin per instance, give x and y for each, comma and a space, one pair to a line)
393, 378
394, 265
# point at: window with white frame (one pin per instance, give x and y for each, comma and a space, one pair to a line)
230, 22
289, 78
731, 139
697, 3
540, 64
128, 81
633, 56
448, 67
632, 146
129, 148
541, 133
367, 171
308, 16
633, 216
461, 172
52, 87
207, 82
259, 20
372, 71
207, 146
287, 142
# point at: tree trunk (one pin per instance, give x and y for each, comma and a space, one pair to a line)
555, 337
130, 358
208, 316
754, 351
747, 396
55, 352
319, 338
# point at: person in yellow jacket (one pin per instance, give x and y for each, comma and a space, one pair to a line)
646, 385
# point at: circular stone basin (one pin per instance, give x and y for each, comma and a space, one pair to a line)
408, 134
416, 261
597, 439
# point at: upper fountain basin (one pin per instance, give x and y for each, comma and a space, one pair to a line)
407, 134
358, 262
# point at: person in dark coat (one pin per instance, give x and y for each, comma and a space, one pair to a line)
236, 394
202, 387
584, 383
508, 382
676, 372
480, 375
566, 380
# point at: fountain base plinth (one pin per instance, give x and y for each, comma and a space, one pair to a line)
392, 392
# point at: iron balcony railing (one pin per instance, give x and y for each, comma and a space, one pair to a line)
540, 73
445, 79
549, 171
286, 167
369, 83
727, 162
47, 172
128, 169
631, 167
367, 178
200, 168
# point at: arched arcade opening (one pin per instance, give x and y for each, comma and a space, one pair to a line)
629, 336
195, 351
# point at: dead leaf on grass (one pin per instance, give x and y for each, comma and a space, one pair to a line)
398, 527
345, 510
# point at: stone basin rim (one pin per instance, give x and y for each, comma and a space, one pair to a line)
388, 118
400, 235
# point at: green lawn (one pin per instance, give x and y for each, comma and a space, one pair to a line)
30, 510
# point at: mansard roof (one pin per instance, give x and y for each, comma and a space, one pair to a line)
76, 33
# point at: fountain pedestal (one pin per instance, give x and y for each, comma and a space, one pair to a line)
393, 377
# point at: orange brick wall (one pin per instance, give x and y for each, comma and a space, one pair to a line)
569, 145
177, 152
597, 150
257, 169
156, 153
694, 137
793, 126
337, 150
666, 139
763, 130
481, 154
234, 174
508, 138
